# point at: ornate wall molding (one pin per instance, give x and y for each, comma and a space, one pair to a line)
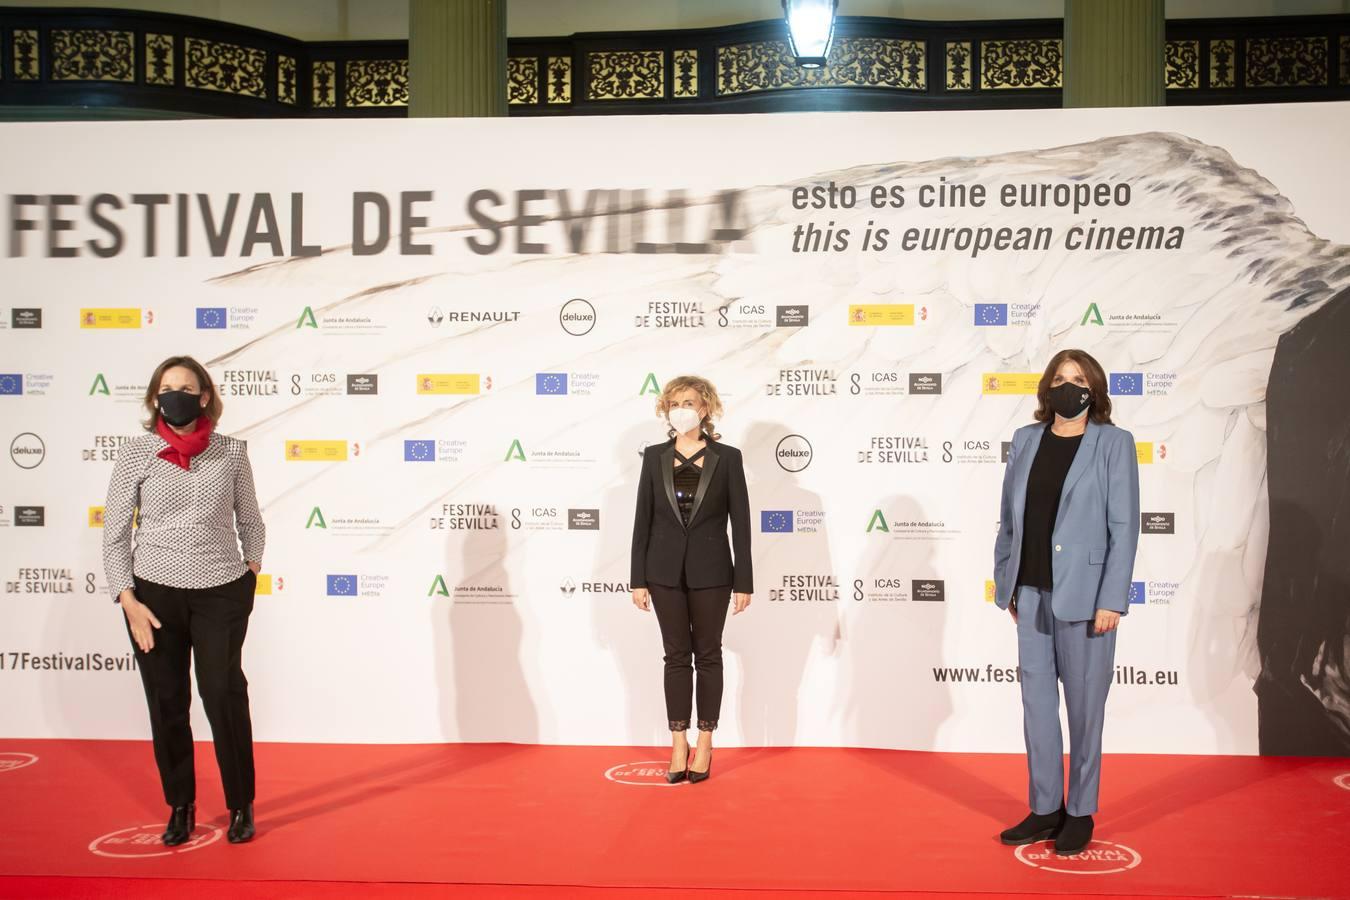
151, 61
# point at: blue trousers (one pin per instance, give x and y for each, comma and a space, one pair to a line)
1050, 651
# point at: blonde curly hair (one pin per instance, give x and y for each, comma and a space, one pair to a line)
707, 393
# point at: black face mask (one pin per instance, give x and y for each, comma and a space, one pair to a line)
180, 408
1069, 400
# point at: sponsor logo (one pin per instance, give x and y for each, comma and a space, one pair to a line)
745, 315
650, 386
550, 384
878, 383
11, 384
806, 588
793, 453
316, 451
896, 448
925, 383
42, 580
342, 585
266, 584
550, 457
1138, 592
445, 383
435, 317
27, 450
577, 317
114, 318
536, 518
316, 384
1092, 315
664, 314
25, 318
775, 521
568, 588
792, 316
991, 314
966, 451
466, 517
874, 314
583, 520
11, 760
1009, 383
1100, 858
489, 593
1157, 523
306, 319
363, 385
426, 450
910, 529
932, 590
95, 517
248, 383
1154, 593
644, 774
337, 324
30, 516
803, 382
1127, 322
141, 841
990, 590
213, 318
1127, 384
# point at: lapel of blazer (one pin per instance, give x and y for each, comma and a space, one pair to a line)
1024, 460
704, 479
668, 479
1082, 460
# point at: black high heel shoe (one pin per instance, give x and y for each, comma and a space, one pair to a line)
696, 777
182, 822
241, 825
675, 777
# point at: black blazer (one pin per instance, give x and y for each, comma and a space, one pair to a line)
663, 547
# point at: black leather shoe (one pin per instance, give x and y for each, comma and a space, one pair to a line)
1034, 828
182, 821
1074, 836
241, 825
674, 775
696, 777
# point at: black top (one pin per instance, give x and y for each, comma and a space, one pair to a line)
1044, 485
686, 476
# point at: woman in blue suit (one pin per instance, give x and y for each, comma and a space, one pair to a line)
1068, 528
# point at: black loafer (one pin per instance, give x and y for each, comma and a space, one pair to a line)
1074, 836
241, 825
1033, 828
182, 822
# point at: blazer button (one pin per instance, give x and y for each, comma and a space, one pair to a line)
1058, 548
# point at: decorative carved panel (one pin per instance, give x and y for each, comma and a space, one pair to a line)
159, 59
91, 54
958, 65
685, 74
626, 75
286, 79
853, 62
224, 67
1022, 63
560, 79
1181, 60
1286, 62
323, 75
376, 82
522, 79
27, 62
1222, 63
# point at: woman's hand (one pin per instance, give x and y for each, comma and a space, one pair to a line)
739, 602
1012, 608
1106, 620
642, 599
142, 621
254, 567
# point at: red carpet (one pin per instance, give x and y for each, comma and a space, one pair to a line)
491, 820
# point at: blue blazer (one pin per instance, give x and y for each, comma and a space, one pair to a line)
1096, 531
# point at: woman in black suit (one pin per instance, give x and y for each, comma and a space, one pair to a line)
683, 565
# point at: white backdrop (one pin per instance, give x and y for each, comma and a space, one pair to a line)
446, 454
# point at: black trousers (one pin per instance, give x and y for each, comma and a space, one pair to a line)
204, 626
691, 623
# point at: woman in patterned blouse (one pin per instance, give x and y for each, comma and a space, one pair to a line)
185, 588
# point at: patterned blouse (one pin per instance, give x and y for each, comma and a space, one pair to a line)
192, 521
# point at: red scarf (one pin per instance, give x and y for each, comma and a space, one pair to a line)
182, 447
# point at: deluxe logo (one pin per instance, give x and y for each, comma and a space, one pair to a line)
363, 385
30, 516
1127, 384
141, 841
1092, 316
803, 382
25, 318
877, 314
550, 384
129, 317
316, 451
307, 319
11, 760
214, 318
1157, 523
666, 314
447, 383
577, 317
792, 316
583, 520
925, 383
775, 521
27, 450
793, 453
11, 384
643, 774
1009, 383
932, 590
991, 314
1100, 858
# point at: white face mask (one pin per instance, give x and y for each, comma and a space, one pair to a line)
684, 420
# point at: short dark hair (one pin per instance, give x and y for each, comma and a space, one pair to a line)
1100, 409
214, 407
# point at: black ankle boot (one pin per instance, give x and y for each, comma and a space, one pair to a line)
182, 821
1033, 828
1075, 836
241, 825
